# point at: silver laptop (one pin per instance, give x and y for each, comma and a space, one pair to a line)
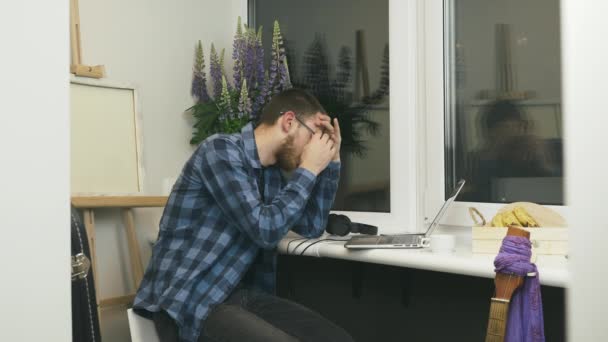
404, 240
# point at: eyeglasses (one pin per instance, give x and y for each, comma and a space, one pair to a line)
302, 123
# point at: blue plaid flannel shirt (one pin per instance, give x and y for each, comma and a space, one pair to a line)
219, 228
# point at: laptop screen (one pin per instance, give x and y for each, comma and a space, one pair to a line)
445, 207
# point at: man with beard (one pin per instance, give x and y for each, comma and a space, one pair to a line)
212, 272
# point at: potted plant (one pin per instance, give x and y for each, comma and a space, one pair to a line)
233, 104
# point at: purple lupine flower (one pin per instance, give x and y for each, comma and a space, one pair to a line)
274, 70
244, 107
290, 56
249, 56
225, 104
238, 52
279, 75
237, 38
271, 79
198, 89
284, 74
274, 65
215, 72
223, 70
199, 81
260, 98
261, 79
259, 59
266, 84
284, 81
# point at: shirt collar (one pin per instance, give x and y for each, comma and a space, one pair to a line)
251, 149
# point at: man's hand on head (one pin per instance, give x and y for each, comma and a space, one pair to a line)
324, 122
318, 153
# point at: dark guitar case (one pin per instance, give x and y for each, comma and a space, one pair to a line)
85, 321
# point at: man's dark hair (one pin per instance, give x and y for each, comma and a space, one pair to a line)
299, 101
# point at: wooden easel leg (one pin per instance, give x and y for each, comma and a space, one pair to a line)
76, 67
75, 33
137, 269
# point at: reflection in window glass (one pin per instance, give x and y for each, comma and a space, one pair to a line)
503, 118
338, 50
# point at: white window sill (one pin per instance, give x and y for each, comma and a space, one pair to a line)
553, 269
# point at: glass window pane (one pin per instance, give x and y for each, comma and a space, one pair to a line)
339, 51
503, 117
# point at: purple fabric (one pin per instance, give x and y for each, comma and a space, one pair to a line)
525, 322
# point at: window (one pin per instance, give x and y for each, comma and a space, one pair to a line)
503, 119
490, 94
339, 51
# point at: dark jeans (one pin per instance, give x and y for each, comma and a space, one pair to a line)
249, 315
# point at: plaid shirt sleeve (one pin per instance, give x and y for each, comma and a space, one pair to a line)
235, 190
314, 219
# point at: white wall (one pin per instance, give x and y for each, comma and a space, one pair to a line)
34, 176
150, 44
584, 69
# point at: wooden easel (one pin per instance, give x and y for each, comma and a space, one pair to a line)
126, 204
76, 66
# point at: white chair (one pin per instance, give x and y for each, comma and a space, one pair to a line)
142, 329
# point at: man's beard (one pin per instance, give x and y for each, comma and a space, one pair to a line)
286, 156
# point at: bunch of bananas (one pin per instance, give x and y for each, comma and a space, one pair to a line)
518, 216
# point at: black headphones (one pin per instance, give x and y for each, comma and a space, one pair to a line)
341, 225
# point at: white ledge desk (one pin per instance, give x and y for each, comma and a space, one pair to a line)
553, 269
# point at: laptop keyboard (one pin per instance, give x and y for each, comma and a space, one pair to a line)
403, 239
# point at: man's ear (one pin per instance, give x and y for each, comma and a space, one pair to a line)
286, 121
